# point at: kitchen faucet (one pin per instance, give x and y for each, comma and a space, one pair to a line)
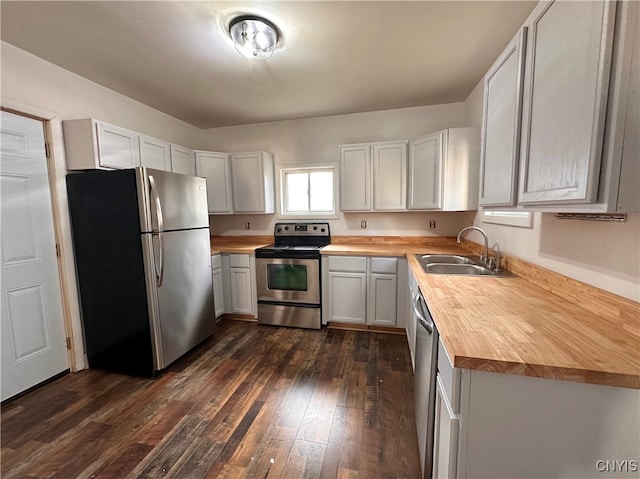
485, 255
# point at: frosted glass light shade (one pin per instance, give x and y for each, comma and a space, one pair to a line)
253, 37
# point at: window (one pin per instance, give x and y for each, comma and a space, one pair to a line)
522, 219
308, 191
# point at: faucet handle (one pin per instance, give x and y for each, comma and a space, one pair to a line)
498, 258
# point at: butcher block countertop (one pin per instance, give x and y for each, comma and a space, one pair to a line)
510, 325
538, 323
238, 244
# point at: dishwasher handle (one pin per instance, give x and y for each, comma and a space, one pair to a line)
426, 323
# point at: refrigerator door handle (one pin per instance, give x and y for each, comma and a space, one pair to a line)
159, 266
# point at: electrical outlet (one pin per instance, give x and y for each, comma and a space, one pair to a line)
432, 224
247, 225
363, 224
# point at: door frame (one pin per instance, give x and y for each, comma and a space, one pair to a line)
56, 170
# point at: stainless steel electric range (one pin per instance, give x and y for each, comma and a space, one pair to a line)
288, 276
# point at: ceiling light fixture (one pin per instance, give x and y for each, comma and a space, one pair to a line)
254, 37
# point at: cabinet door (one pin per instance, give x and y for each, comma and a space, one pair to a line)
383, 297
241, 291
390, 176
216, 168
569, 47
247, 179
218, 292
355, 177
501, 126
425, 171
117, 147
155, 153
445, 440
347, 297
182, 160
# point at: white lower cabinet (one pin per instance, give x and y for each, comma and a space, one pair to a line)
239, 280
364, 290
382, 292
504, 425
241, 291
445, 436
345, 289
217, 281
348, 293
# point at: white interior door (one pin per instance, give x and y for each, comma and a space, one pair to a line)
33, 333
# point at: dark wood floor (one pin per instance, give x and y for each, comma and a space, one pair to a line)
254, 401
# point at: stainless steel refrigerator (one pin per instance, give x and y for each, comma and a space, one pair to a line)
143, 259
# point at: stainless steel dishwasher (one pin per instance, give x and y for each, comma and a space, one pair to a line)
425, 380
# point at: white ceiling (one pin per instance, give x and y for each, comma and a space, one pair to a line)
339, 57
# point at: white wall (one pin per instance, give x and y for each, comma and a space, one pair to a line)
316, 140
605, 255
29, 80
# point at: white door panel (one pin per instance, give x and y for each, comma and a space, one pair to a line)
33, 334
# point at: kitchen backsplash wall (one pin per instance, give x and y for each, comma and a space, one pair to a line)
377, 224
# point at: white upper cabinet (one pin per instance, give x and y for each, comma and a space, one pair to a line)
155, 153
578, 119
238, 182
373, 176
501, 126
355, 177
443, 170
252, 177
216, 168
182, 160
92, 144
569, 46
390, 176
621, 169
425, 171
629, 192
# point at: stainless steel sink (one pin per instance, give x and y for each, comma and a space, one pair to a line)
444, 258
473, 269
456, 264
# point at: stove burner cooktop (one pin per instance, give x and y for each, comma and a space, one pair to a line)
297, 239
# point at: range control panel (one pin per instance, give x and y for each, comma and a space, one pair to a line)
301, 229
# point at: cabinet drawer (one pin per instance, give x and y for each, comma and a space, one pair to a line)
239, 260
216, 261
384, 265
450, 377
354, 264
